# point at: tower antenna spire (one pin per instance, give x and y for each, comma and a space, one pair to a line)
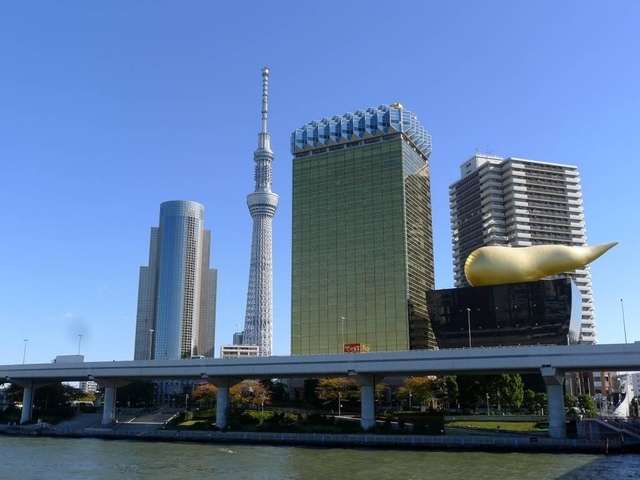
265, 98
262, 203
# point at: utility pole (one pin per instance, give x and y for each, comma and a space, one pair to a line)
624, 325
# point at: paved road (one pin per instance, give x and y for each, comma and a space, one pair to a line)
81, 421
147, 422
126, 421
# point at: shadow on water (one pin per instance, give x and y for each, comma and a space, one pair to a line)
619, 467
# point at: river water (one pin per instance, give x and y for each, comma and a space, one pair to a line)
35, 458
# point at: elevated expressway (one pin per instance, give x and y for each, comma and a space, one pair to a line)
368, 368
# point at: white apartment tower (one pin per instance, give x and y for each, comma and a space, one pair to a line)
258, 324
516, 202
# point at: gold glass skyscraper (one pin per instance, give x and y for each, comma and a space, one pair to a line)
362, 253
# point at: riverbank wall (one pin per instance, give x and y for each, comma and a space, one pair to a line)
459, 442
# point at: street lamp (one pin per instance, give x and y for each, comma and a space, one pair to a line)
24, 353
469, 324
342, 318
624, 325
186, 402
151, 344
487, 404
339, 402
410, 395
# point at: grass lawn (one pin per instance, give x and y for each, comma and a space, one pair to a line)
493, 425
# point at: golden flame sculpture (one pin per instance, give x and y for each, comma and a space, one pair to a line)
498, 265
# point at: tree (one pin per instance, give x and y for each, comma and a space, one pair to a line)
571, 403
541, 402
56, 395
278, 391
587, 404
472, 391
249, 392
529, 400
445, 390
14, 392
329, 390
509, 391
421, 390
381, 392
503, 391
48, 396
136, 394
205, 394
309, 394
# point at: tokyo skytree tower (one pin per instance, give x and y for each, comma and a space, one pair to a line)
258, 324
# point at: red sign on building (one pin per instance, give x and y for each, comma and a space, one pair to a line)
355, 347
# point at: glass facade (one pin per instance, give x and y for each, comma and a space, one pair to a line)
362, 253
176, 298
181, 226
531, 313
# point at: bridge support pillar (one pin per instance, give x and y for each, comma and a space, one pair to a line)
554, 379
109, 407
27, 402
222, 402
367, 401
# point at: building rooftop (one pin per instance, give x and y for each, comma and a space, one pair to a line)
361, 125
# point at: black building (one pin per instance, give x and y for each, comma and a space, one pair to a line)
530, 313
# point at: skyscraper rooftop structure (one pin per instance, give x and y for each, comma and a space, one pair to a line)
258, 325
362, 255
517, 202
177, 291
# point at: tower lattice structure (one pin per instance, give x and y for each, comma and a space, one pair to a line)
262, 203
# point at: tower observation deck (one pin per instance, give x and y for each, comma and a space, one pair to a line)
262, 203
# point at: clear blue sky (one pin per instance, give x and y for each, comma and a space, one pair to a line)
108, 109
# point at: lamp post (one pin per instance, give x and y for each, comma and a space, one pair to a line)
186, 402
342, 318
79, 342
24, 353
469, 324
410, 395
624, 325
340, 402
151, 344
487, 404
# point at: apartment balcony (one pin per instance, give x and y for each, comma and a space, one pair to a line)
521, 243
490, 199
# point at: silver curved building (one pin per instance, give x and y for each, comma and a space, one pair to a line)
177, 291
262, 203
